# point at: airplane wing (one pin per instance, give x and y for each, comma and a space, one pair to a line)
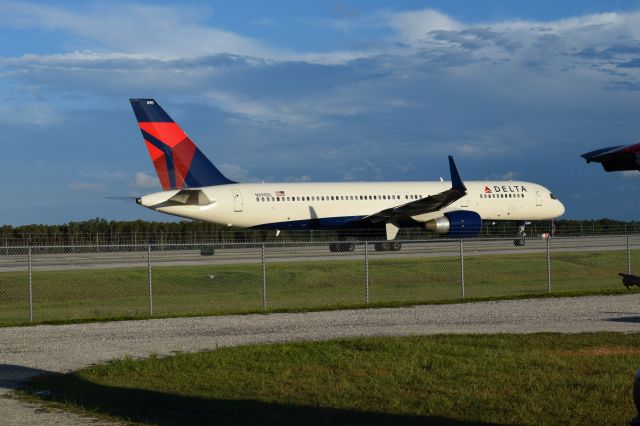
428, 204
616, 158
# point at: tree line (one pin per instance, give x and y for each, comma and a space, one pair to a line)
102, 231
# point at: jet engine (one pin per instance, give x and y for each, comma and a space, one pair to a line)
459, 223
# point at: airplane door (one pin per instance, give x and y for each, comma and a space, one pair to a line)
237, 200
538, 198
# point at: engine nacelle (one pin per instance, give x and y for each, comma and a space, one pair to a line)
459, 223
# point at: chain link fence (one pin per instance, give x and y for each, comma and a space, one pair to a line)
62, 283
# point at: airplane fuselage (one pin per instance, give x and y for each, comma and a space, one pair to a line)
339, 204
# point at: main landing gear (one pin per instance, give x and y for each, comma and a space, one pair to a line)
388, 246
349, 247
341, 247
521, 237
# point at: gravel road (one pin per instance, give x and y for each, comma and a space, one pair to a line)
28, 351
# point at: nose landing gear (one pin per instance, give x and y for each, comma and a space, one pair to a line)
521, 237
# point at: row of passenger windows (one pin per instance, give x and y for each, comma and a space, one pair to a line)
340, 198
501, 195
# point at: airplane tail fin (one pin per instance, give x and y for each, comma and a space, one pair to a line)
177, 160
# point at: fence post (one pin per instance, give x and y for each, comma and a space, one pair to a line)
264, 281
150, 282
366, 271
30, 287
461, 271
548, 267
628, 256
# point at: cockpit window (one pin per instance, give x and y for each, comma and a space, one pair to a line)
553, 197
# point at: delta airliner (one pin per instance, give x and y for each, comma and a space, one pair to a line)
194, 188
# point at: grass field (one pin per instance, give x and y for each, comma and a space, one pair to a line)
235, 288
536, 379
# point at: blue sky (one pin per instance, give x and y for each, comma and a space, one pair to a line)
316, 91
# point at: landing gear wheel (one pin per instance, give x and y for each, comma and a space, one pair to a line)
388, 246
519, 242
207, 251
341, 247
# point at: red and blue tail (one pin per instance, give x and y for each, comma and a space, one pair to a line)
178, 161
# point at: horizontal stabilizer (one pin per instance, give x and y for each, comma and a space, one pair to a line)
191, 197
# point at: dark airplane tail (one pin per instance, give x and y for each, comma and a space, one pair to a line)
177, 160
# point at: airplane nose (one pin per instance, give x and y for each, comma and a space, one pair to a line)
560, 208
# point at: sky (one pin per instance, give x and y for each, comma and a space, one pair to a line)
316, 91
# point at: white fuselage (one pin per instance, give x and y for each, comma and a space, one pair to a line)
333, 204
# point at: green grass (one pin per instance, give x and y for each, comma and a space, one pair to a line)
237, 288
450, 379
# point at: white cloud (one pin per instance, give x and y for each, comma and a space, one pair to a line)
37, 114
509, 175
145, 181
165, 31
235, 172
414, 26
262, 110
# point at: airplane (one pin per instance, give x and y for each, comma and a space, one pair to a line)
194, 188
616, 158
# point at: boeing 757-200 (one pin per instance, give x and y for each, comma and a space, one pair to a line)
194, 188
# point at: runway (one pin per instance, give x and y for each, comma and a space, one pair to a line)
27, 351
109, 257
